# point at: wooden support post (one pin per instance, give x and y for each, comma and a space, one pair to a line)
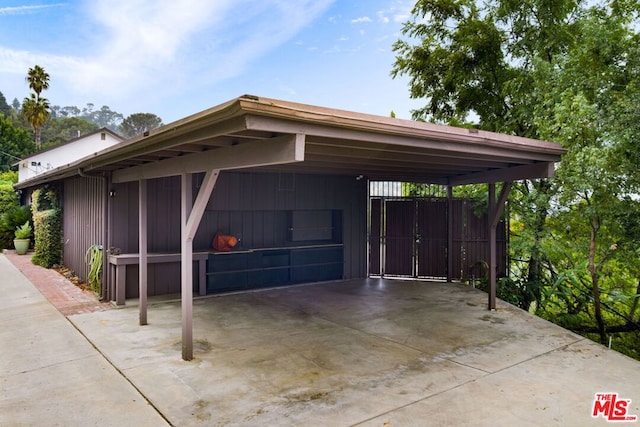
449, 233
495, 212
191, 217
186, 261
142, 249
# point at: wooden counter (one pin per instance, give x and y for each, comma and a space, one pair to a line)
118, 265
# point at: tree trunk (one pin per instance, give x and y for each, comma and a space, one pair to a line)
534, 273
634, 306
593, 271
38, 132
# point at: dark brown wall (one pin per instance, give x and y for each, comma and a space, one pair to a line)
252, 206
84, 220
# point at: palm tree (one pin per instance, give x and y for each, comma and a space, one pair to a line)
38, 79
35, 108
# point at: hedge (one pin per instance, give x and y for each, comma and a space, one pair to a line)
47, 225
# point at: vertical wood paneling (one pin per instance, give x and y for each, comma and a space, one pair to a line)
83, 220
251, 205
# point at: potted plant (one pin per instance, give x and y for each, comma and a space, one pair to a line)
22, 240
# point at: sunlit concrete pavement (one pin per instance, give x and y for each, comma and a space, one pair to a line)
50, 375
363, 352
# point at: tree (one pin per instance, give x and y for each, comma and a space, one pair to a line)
65, 129
4, 107
36, 108
105, 118
139, 123
565, 71
38, 79
15, 143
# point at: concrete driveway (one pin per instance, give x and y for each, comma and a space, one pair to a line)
363, 352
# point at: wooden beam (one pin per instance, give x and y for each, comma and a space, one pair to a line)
142, 250
201, 202
494, 216
168, 136
445, 139
534, 170
274, 151
358, 149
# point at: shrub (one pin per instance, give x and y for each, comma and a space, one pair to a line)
9, 221
24, 231
8, 197
47, 223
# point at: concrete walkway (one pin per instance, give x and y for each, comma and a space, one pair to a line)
50, 375
354, 353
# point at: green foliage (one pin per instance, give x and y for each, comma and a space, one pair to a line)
102, 118
36, 111
94, 259
8, 197
506, 289
23, 231
9, 177
9, 221
5, 109
566, 71
38, 79
47, 221
65, 129
410, 189
15, 143
35, 108
138, 123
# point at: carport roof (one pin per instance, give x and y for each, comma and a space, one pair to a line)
334, 141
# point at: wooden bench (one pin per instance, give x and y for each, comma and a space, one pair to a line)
118, 265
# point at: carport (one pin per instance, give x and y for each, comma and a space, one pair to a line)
266, 135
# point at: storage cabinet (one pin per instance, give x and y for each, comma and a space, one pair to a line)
231, 272
316, 264
273, 267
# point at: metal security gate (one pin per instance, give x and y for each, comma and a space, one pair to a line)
431, 238
399, 238
409, 238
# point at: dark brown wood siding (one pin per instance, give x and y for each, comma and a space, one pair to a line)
251, 206
83, 220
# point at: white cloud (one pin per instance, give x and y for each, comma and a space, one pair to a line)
23, 10
398, 12
361, 20
153, 46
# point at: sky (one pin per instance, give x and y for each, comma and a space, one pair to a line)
174, 58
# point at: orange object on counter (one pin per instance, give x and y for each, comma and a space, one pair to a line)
224, 242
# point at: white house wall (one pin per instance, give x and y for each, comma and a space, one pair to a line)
64, 154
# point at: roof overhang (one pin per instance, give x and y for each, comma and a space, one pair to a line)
324, 141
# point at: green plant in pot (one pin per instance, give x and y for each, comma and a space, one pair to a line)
22, 240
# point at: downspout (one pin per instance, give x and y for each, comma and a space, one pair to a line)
105, 293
